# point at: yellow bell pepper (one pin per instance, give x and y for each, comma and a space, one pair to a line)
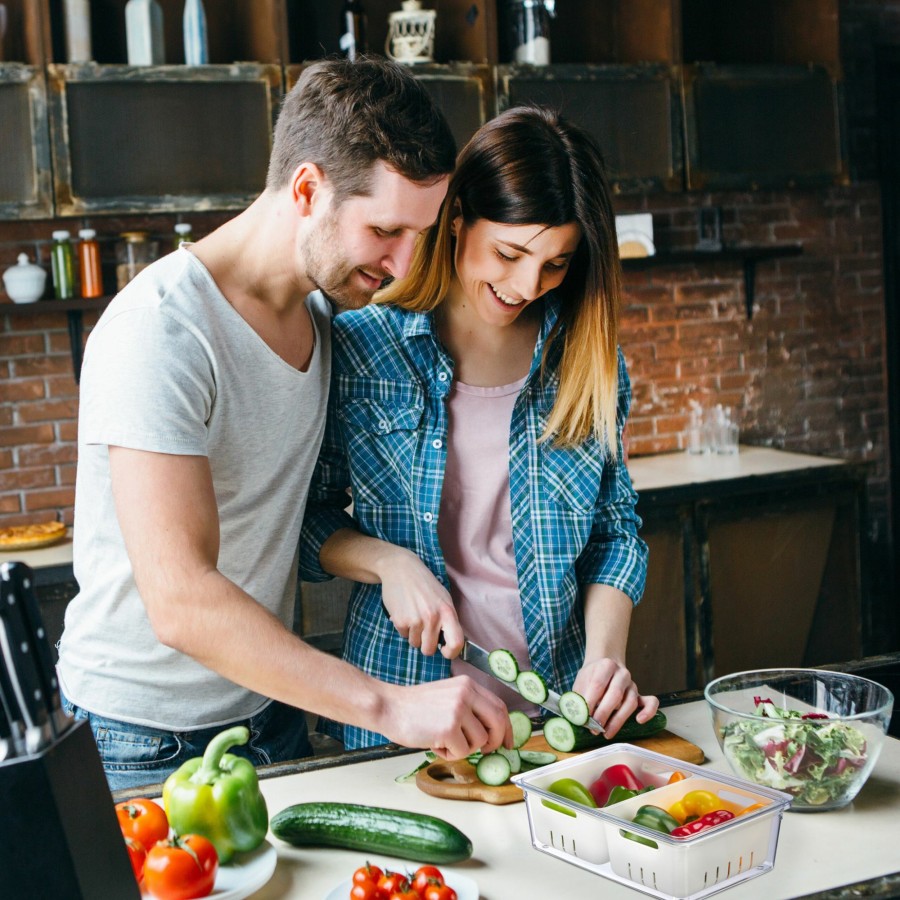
695, 804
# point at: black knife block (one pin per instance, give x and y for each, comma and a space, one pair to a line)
59, 835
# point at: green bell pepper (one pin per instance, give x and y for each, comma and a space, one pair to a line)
217, 795
619, 793
651, 817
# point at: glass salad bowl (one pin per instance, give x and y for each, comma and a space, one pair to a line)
811, 733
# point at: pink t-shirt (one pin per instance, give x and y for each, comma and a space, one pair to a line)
475, 528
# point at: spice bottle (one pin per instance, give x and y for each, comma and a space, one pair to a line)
183, 234
78, 30
62, 265
133, 254
144, 33
353, 29
89, 264
196, 45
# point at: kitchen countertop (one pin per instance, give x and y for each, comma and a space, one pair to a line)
817, 852
44, 557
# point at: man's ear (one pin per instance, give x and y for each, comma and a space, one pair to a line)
307, 184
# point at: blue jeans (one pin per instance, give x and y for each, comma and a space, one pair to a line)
135, 755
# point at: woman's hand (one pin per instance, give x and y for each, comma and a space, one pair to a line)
420, 607
611, 694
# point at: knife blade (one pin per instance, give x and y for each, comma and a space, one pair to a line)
478, 657
22, 667
11, 734
21, 579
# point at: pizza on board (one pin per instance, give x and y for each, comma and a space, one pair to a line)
29, 537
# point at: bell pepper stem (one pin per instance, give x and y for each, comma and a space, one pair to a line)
211, 767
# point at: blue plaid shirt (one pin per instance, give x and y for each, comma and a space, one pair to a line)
573, 510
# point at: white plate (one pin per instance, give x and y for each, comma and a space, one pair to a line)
465, 887
246, 873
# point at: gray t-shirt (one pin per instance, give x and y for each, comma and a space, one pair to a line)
171, 367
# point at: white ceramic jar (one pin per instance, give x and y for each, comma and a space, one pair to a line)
25, 282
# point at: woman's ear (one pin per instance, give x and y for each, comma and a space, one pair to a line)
456, 221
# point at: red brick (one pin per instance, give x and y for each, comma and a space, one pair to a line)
66, 474
22, 479
43, 365
6, 459
62, 386
30, 389
55, 454
10, 503
31, 434
21, 344
51, 499
52, 411
68, 431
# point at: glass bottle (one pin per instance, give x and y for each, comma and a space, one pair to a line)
183, 234
196, 44
89, 264
62, 265
353, 29
78, 30
133, 254
144, 31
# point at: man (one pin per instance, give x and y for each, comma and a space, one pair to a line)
202, 407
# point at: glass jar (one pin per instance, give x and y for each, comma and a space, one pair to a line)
134, 252
62, 265
530, 30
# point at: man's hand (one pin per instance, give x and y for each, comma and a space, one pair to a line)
454, 717
420, 607
611, 694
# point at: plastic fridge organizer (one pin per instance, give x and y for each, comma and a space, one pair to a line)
676, 868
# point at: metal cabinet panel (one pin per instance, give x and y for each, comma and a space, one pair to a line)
634, 112
164, 138
25, 182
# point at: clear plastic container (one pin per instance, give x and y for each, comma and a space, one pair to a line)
133, 253
691, 867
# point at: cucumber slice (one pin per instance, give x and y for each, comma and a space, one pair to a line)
559, 733
493, 769
532, 687
514, 759
503, 664
521, 727
574, 707
534, 759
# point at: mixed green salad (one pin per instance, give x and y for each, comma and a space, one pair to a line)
809, 755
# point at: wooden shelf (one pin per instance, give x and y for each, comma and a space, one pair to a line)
747, 256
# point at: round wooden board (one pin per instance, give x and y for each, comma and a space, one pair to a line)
457, 780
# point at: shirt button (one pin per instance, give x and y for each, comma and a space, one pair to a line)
437, 443
383, 425
428, 517
442, 376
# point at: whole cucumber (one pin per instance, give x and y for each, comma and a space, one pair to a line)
632, 730
372, 829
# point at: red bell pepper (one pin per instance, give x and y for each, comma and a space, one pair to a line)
618, 775
716, 817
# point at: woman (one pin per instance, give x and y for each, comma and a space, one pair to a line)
476, 412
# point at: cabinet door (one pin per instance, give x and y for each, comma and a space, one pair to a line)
25, 186
634, 113
161, 139
762, 127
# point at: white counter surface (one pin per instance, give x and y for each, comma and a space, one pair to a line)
816, 851
45, 557
667, 470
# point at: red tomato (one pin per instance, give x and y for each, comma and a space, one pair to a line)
181, 868
439, 892
407, 894
143, 820
391, 882
426, 875
366, 890
367, 872
136, 856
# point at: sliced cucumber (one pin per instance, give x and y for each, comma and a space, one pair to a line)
513, 757
503, 664
574, 707
534, 759
521, 727
531, 686
493, 769
559, 733
430, 757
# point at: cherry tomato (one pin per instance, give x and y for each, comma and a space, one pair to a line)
366, 890
181, 868
368, 872
407, 894
439, 892
426, 875
391, 882
143, 820
137, 855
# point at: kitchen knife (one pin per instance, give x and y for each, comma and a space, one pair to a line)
21, 579
478, 657
10, 731
22, 667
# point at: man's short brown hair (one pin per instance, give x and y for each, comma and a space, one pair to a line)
345, 116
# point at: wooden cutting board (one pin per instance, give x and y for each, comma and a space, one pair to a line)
457, 780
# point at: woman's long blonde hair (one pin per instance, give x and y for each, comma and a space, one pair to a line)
530, 166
